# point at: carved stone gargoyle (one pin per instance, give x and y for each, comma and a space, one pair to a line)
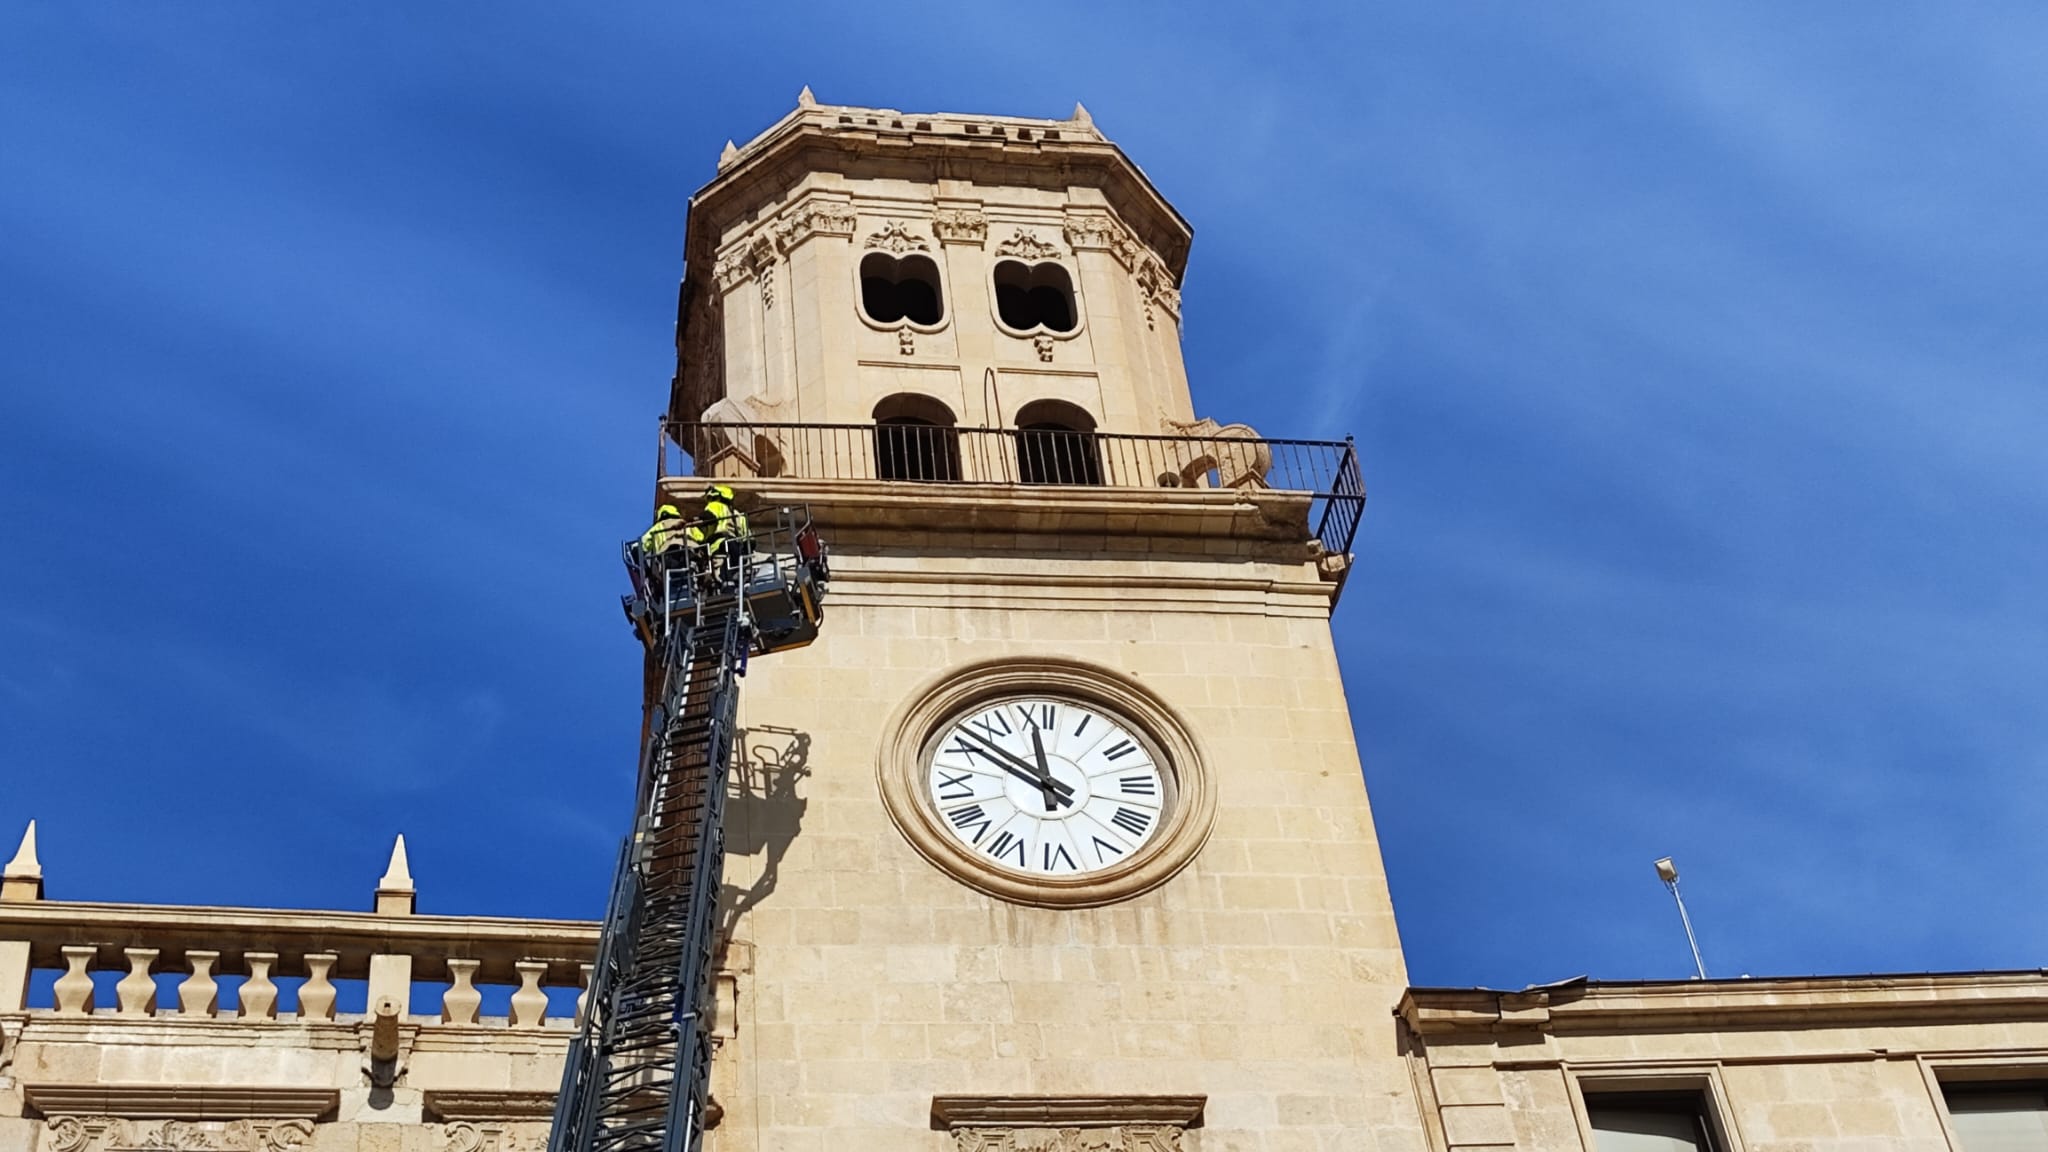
733, 442
1238, 455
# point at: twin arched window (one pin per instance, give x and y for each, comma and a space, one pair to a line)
893, 290
916, 439
1029, 297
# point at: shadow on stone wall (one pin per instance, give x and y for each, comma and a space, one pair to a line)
763, 812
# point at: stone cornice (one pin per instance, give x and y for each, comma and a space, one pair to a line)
487, 1104
950, 1112
182, 1101
1113, 518
1060, 153
1854, 1001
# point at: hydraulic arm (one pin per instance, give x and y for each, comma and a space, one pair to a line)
637, 1075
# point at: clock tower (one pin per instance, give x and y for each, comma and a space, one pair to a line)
1056, 837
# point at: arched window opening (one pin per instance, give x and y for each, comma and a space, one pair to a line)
915, 439
1056, 444
893, 290
1031, 296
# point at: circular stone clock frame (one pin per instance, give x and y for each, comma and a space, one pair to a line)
901, 770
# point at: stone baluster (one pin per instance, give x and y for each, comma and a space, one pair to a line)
529, 1004
199, 995
137, 990
316, 995
583, 997
460, 1002
73, 990
259, 995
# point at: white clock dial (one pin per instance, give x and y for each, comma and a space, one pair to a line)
1046, 786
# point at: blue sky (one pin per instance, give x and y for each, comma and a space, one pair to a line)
1693, 351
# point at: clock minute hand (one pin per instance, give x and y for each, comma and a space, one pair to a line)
1018, 767
1045, 780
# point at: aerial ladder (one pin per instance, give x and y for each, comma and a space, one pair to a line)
637, 1075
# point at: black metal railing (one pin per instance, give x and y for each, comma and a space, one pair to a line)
913, 452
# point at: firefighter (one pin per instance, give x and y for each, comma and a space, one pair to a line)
723, 527
667, 532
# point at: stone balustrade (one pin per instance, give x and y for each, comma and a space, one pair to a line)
291, 965
172, 1028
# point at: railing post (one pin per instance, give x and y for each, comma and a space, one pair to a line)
391, 973
13, 975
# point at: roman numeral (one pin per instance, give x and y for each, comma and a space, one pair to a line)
1085, 718
971, 817
1039, 715
1120, 748
1004, 844
947, 782
963, 747
990, 723
1131, 820
1139, 785
1058, 851
1102, 846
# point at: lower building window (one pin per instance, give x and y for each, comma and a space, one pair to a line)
1649, 1122
1999, 1117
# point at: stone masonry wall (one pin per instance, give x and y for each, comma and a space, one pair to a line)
1263, 976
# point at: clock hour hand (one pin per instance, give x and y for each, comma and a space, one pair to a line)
1021, 769
1045, 780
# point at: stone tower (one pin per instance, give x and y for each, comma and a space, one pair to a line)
1060, 824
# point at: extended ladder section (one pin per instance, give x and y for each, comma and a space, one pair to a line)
637, 1075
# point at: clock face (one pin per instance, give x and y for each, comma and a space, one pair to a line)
1046, 786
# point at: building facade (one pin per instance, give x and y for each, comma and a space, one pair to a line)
1056, 838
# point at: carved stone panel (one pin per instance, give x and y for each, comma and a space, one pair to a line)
813, 218
107, 1134
894, 237
959, 226
464, 1136
1120, 1138
1025, 246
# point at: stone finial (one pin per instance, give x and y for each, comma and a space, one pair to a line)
395, 893
22, 880
804, 99
728, 154
1081, 115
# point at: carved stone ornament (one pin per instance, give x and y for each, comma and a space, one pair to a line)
1120, 1138
813, 218
762, 254
1235, 452
1043, 344
754, 258
960, 226
894, 237
463, 1136
1127, 250
10, 1042
107, 1134
1091, 231
1157, 285
730, 271
1025, 246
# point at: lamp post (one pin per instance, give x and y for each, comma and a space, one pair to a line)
1668, 873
